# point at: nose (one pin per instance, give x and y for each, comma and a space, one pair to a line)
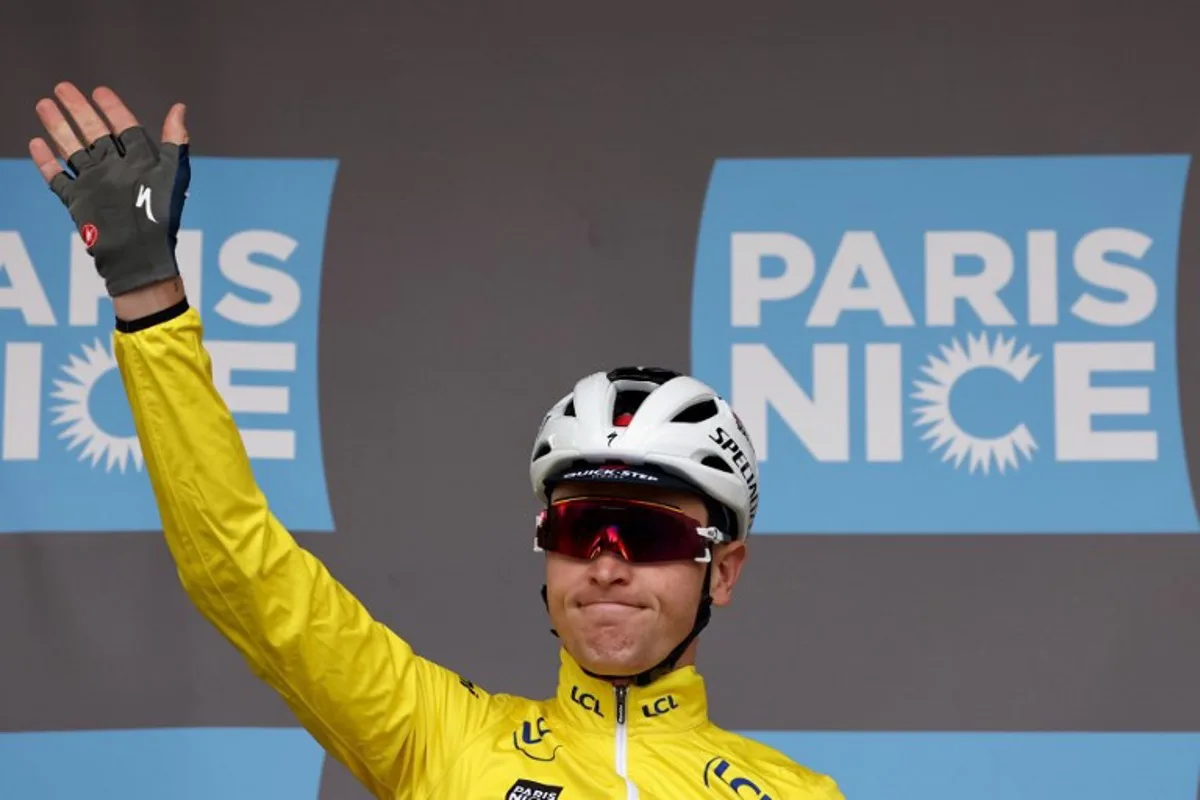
608, 569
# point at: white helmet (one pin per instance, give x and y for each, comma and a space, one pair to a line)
668, 426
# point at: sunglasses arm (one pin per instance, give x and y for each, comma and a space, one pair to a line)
537, 522
713, 535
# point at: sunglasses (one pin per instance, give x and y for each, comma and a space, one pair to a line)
638, 531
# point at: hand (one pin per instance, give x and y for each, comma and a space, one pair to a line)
126, 193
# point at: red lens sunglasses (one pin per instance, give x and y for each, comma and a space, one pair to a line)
639, 531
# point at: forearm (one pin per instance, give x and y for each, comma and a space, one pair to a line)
148, 300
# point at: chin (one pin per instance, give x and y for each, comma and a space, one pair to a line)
606, 664
609, 655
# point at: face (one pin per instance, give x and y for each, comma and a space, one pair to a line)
618, 618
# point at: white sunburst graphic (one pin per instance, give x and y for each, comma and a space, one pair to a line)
82, 430
944, 371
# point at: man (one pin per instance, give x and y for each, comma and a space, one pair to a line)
650, 487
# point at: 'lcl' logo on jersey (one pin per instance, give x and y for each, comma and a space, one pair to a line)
661, 706
720, 770
586, 700
530, 736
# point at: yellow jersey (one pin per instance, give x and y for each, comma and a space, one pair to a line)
404, 726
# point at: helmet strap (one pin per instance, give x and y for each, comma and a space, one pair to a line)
546, 602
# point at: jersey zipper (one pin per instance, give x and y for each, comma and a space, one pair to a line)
631, 790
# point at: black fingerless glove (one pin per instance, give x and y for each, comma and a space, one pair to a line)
126, 198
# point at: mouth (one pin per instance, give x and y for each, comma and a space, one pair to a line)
610, 606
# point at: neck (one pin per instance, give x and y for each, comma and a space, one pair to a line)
688, 659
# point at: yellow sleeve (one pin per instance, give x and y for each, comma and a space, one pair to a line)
393, 718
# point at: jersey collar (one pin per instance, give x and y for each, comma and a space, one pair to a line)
676, 701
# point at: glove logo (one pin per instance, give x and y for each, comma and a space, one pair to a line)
950, 345
143, 201
249, 250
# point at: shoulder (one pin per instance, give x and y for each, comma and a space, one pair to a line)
457, 697
498, 709
752, 764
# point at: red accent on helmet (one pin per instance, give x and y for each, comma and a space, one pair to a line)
623, 420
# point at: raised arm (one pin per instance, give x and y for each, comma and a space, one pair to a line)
393, 718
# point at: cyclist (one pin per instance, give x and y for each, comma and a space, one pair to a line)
649, 489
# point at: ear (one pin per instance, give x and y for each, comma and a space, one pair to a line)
728, 561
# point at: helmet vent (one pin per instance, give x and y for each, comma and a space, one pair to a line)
717, 463
543, 450
569, 411
627, 402
697, 412
659, 375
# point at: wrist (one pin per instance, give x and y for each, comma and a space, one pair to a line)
148, 300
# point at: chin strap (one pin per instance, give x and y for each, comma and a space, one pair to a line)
703, 615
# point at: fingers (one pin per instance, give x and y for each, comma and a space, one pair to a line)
91, 125
174, 129
44, 158
56, 125
118, 114
82, 112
